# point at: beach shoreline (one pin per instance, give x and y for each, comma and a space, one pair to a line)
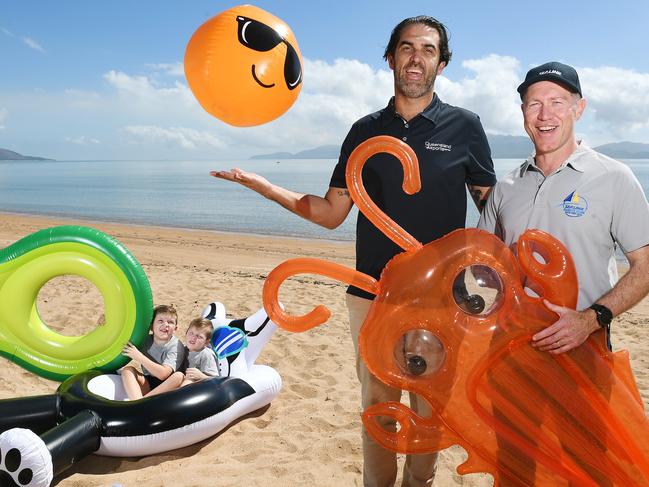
310, 435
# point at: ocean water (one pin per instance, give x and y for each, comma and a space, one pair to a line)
183, 194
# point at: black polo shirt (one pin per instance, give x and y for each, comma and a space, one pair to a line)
452, 150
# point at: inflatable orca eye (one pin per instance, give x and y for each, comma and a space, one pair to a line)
419, 352
478, 290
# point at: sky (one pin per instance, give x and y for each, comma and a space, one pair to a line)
105, 80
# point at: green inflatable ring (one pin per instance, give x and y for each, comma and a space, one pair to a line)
28, 264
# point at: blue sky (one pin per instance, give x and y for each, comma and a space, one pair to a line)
103, 80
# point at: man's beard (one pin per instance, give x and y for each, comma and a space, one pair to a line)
415, 89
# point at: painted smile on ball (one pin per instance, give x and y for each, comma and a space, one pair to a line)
261, 83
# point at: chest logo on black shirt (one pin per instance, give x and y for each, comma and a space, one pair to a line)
436, 146
574, 205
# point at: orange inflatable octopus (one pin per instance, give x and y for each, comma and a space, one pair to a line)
452, 322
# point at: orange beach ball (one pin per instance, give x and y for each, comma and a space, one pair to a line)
244, 66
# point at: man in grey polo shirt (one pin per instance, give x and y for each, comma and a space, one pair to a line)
589, 201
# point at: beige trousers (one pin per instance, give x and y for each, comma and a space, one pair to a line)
379, 464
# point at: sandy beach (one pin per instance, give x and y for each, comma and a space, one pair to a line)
310, 435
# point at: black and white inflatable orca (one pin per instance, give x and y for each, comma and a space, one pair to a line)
89, 413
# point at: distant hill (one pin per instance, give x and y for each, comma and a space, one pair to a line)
502, 147
510, 146
625, 150
9, 155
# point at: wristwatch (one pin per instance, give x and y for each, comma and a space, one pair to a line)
604, 315
604, 318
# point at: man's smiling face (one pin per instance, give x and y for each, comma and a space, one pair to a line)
416, 61
550, 112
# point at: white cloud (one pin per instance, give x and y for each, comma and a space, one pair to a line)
33, 44
82, 140
332, 98
152, 115
184, 137
6, 32
146, 91
490, 92
618, 102
172, 69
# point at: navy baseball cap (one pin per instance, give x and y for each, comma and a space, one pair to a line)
557, 72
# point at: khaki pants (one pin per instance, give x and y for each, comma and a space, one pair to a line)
379, 464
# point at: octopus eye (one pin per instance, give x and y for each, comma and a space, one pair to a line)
478, 290
419, 353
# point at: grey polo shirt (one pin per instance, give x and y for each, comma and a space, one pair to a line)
205, 361
171, 353
591, 204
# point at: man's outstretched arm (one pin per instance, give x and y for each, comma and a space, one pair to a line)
328, 211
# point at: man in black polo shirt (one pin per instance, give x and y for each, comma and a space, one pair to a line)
452, 150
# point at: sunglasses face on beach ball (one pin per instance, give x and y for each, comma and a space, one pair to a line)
244, 66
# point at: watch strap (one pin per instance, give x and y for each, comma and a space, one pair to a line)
604, 318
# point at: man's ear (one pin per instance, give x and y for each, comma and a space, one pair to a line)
581, 106
440, 68
391, 61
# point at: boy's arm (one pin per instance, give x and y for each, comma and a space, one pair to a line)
159, 371
206, 367
195, 374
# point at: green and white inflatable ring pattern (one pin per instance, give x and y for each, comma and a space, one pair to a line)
27, 265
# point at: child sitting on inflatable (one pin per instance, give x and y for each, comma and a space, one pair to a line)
163, 355
201, 358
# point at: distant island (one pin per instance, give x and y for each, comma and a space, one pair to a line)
625, 150
9, 155
502, 147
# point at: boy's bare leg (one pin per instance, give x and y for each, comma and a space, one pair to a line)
135, 384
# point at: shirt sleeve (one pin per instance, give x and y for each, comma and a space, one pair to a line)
209, 367
480, 170
630, 222
338, 176
489, 216
171, 356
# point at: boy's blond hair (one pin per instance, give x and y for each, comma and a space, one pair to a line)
202, 325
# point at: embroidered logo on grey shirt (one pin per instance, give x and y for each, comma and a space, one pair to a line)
574, 205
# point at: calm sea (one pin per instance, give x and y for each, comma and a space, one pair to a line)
183, 194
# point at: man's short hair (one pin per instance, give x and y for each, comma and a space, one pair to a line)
444, 51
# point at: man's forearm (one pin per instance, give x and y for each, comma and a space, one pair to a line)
632, 286
314, 208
